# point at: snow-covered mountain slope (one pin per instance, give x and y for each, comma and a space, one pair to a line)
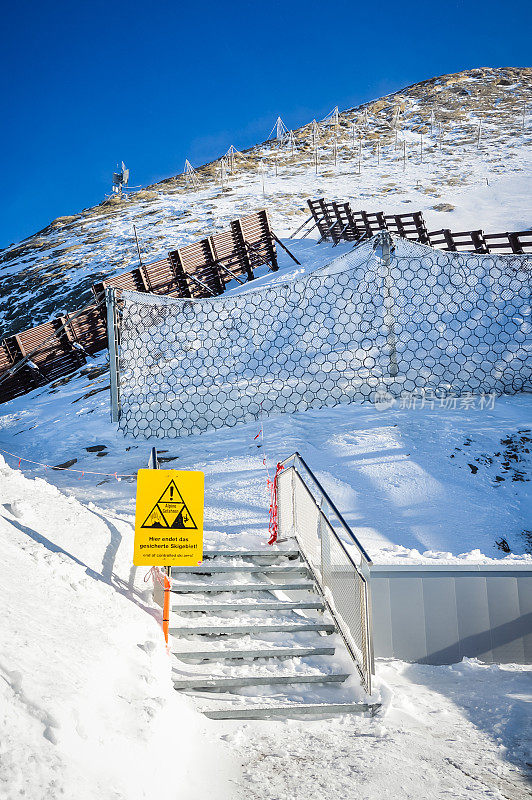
457, 181
400, 497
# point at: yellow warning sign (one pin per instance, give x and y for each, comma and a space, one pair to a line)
169, 517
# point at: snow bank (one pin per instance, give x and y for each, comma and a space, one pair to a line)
87, 705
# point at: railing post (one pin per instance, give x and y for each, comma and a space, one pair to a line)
293, 498
153, 461
166, 605
325, 545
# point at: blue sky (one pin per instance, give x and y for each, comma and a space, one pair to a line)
84, 85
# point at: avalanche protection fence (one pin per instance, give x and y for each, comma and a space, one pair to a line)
336, 221
57, 348
391, 315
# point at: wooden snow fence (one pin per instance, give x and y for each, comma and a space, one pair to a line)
325, 219
201, 269
86, 330
458, 241
47, 352
11, 386
204, 268
336, 221
518, 242
409, 226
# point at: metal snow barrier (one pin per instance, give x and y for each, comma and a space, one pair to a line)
337, 559
389, 318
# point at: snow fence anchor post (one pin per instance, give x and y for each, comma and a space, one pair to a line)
384, 247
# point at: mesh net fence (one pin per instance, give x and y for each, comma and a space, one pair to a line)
428, 321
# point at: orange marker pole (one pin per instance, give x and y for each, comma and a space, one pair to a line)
166, 605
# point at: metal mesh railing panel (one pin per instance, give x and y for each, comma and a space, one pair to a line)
306, 520
347, 592
285, 504
454, 323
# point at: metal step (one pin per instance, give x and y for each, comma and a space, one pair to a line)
200, 588
272, 652
259, 680
266, 605
250, 553
291, 627
292, 710
227, 568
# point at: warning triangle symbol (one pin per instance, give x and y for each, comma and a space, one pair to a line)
171, 494
170, 511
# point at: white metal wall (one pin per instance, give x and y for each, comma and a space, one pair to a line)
439, 614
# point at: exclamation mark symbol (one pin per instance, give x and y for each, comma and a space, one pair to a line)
171, 494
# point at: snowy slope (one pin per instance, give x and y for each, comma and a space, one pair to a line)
449, 732
87, 708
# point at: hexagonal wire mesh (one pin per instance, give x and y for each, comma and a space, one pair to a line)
454, 323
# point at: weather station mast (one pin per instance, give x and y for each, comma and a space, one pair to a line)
120, 179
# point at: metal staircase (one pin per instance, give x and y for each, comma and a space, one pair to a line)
264, 646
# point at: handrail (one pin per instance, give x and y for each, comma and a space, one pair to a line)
299, 458
361, 650
363, 567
